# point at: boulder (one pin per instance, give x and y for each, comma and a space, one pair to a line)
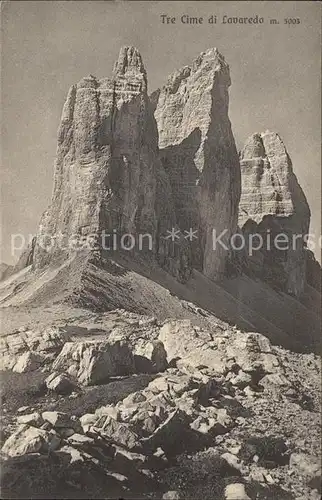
170, 434
270, 450
252, 352
87, 420
191, 346
28, 362
171, 495
123, 459
119, 433
159, 384
79, 439
134, 398
60, 383
241, 380
205, 425
95, 361
28, 439
275, 382
306, 465
151, 358
59, 419
236, 491
41, 342
33, 419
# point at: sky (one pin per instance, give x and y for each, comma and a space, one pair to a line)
49, 45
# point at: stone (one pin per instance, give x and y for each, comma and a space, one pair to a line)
59, 419
223, 418
123, 458
34, 419
179, 337
119, 433
108, 410
134, 398
257, 475
27, 439
306, 465
233, 461
253, 354
169, 433
158, 385
79, 439
65, 432
171, 495
198, 152
145, 422
241, 380
275, 382
127, 413
96, 360
236, 491
61, 384
161, 402
88, 419
75, 455
28, 362
40, 342
191, 346
249, 392
272, 199
23, 408
270, 450
211, 425
155, 353
187, 405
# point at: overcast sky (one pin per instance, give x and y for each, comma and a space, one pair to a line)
47, 46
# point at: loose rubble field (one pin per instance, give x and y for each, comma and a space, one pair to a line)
145, 409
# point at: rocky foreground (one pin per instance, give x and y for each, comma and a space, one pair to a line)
118, 405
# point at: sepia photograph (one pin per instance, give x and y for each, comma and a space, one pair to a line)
160, 266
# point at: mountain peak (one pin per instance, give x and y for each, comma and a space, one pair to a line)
129, 60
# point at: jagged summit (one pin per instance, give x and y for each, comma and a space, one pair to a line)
129, 60
209, 64
211, 57
269, 184
272, 199
254, 145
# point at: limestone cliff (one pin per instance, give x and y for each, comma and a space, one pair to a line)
104, 176
111, 177
273, 202
198, 152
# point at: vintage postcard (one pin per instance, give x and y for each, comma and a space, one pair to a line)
160, 270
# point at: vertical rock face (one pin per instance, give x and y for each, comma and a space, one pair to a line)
199, 156
106, 159
110, 175
273, 202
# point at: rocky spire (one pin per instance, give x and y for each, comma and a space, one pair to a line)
106, 158
129, 61
198, 151
272, 200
